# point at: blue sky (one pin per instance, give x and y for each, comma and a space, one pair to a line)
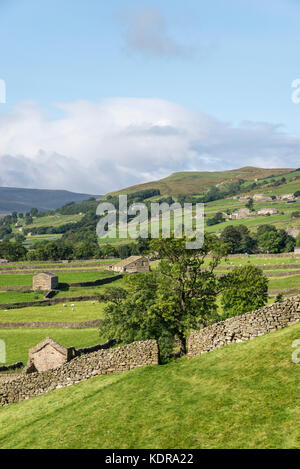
199, 68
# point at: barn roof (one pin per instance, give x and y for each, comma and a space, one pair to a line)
48, 341
47, 274
128, 261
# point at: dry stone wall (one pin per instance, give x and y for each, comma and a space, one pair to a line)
102, 362
52, 325
245, 327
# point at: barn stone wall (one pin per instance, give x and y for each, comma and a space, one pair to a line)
102, 362
245, 327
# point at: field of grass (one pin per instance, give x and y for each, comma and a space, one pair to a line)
82, 311
19, 341
64, 277
19, 296
284, 282
240, 396
88, 291
30, 240
51, 220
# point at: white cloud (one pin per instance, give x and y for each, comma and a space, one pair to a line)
98, 147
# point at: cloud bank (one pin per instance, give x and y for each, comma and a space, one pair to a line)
99, 147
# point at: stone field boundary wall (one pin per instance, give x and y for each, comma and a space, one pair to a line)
52, 325
102, 362
12, 367
245, 327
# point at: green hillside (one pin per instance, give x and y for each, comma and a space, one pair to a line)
240, 396
195, 182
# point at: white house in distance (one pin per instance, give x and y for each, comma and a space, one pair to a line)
131, 265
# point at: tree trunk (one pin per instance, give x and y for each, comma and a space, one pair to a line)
183, 349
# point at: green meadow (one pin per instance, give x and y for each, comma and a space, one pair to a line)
19, 341
241, 396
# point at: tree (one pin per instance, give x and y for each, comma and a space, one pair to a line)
28, 220
262, 229
239, 239
245, 289
124, 251
298, 240
274, 242
12, 251
250, 204
216, 219
20, 238
172, 300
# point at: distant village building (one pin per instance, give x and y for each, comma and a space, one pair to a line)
297, 250
48, 355
286, 197
45, 281
293, 231
267, 211
131, 265
239, 214
4, 261
261, 197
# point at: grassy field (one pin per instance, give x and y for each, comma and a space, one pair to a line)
19, 341
88, 291
284, 282
240, 396
82, 311
70, 277
19, 296
52, 220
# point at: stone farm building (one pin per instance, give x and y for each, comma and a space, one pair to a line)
45, 281
48, 355
297, 250
131, 265
268, 211
239, 214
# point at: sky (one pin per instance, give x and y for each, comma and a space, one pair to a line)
102, 95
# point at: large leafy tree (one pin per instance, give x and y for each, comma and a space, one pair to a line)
239, 239
170, 301
244, 289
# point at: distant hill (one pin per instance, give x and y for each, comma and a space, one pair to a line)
197, 182
22, 200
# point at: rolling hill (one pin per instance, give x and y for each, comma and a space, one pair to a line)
22, 200
241, 396
197, 182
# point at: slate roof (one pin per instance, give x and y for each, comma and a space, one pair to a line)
128, 261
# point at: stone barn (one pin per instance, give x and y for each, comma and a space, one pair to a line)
297, 250
45, 281
132, 265
267, 211
48, 355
